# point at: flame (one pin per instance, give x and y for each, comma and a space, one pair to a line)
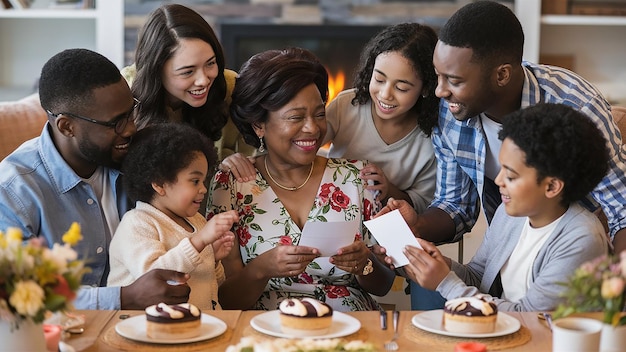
335, 84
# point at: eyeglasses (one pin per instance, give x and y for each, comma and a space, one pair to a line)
119, 124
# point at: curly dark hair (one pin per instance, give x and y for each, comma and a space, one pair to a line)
158, 40
416, 43
490, 29
69, 78
158, 152
268, 81
561, 142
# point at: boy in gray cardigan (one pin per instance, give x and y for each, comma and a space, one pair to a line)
551, 157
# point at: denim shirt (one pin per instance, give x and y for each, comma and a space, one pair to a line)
460, 149
42, 195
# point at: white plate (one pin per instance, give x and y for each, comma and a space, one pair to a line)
135, 329
269, 323
432, 321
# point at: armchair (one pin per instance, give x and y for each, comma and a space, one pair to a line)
20, 121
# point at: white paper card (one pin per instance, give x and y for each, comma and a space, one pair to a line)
328, 237
393, 233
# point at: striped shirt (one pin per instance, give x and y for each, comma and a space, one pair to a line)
460, 148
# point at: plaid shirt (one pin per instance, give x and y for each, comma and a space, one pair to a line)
460, 148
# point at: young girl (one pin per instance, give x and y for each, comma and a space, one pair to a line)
391, 112
164, 173
179, 76
387, 118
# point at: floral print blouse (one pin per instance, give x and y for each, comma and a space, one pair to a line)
265, 223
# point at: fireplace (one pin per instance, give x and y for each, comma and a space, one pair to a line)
337, 46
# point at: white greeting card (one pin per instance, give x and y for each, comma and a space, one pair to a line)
393, 233
328, 237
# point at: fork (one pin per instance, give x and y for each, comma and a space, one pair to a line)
393, 345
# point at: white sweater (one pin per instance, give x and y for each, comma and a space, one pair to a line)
147, 238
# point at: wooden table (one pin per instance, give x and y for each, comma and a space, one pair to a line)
99, 333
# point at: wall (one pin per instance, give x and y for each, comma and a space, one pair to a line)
431, 12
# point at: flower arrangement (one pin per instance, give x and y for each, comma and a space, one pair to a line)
35, 279
597, 285
252, 344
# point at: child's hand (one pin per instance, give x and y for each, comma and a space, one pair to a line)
223, 245
214, 229
375, 179
427, 266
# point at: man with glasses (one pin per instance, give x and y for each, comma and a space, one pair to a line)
70, 173
118, 124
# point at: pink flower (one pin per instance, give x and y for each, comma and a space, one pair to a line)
285, 241
612, 287
597, 285
324, 196
339, 200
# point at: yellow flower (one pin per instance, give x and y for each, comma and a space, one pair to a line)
27, 299
14, 234
72, 236
3, 240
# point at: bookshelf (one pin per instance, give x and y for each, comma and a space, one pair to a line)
30, 36
594, 42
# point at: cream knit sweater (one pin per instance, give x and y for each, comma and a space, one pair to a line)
147, 238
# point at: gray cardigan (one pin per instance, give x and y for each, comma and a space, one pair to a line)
579, 237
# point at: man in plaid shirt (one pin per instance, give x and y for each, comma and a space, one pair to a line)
482, 78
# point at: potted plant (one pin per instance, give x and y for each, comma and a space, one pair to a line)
599, 285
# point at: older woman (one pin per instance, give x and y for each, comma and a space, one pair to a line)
279, 106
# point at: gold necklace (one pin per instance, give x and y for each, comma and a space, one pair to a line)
289, 188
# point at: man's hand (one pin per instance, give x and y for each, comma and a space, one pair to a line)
156, 286
406, 210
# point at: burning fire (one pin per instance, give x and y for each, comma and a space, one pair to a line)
335, 84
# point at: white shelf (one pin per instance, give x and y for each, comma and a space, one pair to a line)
49, 13
578, 20
29, 37
596, 44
